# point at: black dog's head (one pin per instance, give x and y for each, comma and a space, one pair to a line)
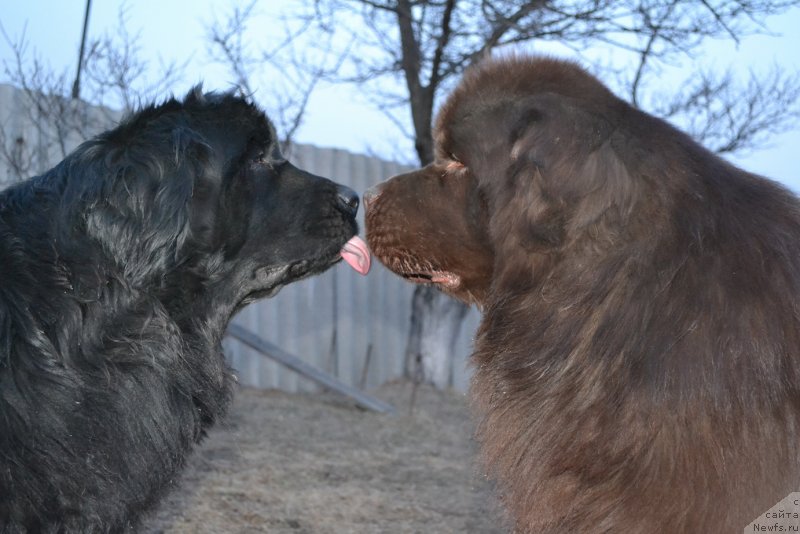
195, 194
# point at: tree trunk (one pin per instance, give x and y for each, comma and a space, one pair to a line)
435, 318
436, 321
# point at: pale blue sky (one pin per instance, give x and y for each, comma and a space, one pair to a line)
337, 116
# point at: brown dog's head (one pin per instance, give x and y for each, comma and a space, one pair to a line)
429, 226
520, 146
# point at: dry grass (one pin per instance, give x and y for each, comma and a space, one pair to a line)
313, 464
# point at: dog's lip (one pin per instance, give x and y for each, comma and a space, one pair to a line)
446, 279
409, 269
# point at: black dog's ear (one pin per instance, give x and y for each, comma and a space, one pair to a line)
139, 209
235, 211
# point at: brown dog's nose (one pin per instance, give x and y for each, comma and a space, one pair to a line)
371, 194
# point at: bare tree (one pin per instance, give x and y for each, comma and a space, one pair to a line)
114, 82
411, 51
295, 69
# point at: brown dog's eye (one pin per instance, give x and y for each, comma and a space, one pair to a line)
454, 165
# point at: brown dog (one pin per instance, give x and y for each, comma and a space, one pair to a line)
636, 369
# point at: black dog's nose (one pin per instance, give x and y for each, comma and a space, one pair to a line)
348, 200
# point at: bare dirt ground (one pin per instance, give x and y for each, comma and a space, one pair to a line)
291, 463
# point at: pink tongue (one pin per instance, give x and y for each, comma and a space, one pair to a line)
356, 254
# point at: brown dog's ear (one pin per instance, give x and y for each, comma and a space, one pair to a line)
557, 133
565, 164
602, 184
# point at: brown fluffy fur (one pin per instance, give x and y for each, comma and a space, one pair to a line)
636, 369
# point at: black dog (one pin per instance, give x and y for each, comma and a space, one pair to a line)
119, 271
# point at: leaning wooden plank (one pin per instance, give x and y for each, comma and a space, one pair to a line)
294, 363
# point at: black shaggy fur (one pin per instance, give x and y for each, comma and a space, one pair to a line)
119, 271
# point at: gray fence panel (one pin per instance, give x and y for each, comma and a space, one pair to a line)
331, 321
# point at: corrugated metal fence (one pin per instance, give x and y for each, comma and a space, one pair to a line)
350, 326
